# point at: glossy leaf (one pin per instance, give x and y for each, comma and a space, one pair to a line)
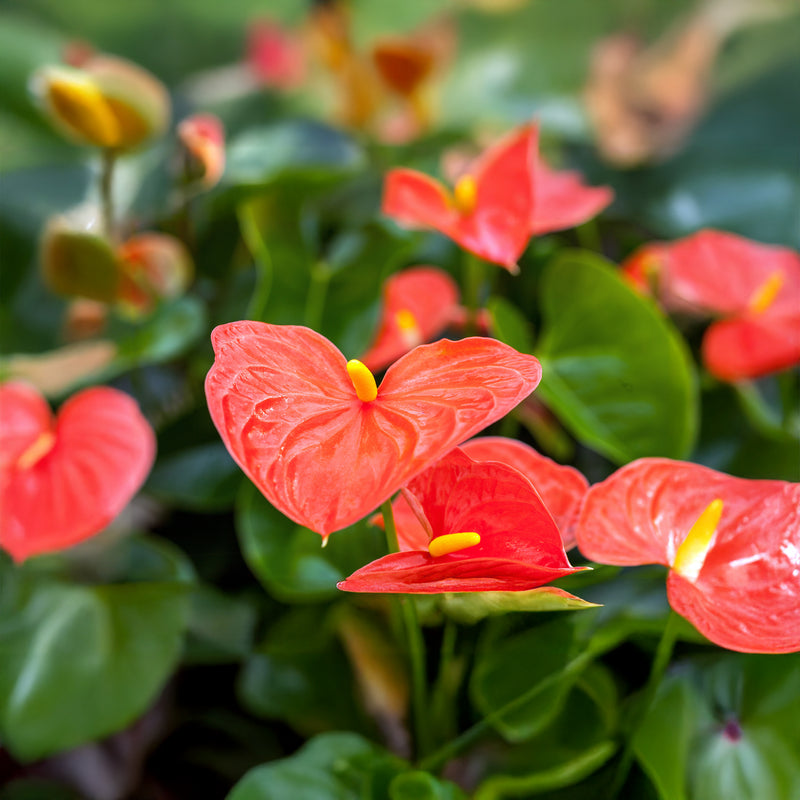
615, 371
732, 733
286, 409
81, 662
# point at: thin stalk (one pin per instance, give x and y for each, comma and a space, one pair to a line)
107, 161
447, 680
415, 645
763, 418
660, 662
317, 294
473, 733
263, 263
474, 274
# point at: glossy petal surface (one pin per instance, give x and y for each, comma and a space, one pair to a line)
498, 228
429, 296
282, 401
520, 546
102, 451
561, 487
747, 593
562, 200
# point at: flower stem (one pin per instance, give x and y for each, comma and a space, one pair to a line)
107, 161
474, 273
263, 263
472, 734
415, 645
660, 662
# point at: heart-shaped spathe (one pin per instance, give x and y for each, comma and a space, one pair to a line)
287, 411
64, 479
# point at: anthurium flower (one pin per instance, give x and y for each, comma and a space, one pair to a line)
275, 55
64, 479
322, 442
107, 102
562, 200
732, 546
490, 208
753, 288
562, 488
202, 137
418, 304
152, 267
486, 528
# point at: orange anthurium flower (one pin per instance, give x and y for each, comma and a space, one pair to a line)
490, 208
64, 479
732, 546
322, 442
753, 287
486, 529
202, 137
562, 200
418, 304
561, 488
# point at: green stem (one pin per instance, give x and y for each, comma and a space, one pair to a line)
415, 644
263, 263
447, 680
317, 293
755, 408
660, 662
474, 274
589, 236
472, 734
107, 161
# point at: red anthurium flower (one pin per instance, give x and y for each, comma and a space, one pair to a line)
486, 528
64, 479
754, 287
489, 210
561, 488
275, 55
732, 545
326, 445
418, 304
562, 200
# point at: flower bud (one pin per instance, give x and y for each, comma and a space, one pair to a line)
153, 267
202, 139
108, 102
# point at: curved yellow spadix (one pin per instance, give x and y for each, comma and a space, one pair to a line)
363, 380
694, 548
452, 543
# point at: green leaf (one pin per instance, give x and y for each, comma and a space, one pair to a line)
613, 368
510, 668
264, 154
283, 679
725, 727
81, 662
203, 478
510, 325
290, 560
341, 766
471, 607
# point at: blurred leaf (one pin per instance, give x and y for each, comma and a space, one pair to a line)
613, 368
290, 560
203, 478
725, 727
341, 766
81, 662
471, 607
283, 679
220, 629
36, 789
261, 155
513, 667
510, 325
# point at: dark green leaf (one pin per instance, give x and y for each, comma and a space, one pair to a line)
614, 369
